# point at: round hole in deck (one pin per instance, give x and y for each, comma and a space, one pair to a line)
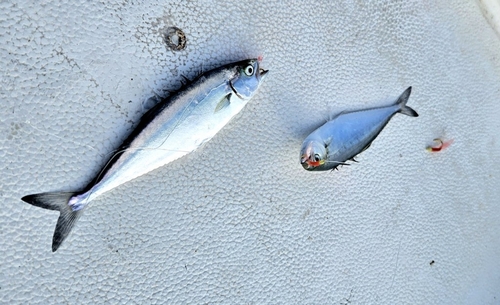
175, 38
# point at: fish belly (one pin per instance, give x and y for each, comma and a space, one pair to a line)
164, 144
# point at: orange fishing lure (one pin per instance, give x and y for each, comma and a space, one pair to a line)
439, 145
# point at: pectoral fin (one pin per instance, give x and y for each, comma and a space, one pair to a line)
224, 102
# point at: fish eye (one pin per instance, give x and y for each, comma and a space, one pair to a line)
316, 158
249, 70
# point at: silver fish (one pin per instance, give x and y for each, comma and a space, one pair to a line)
173, 128
345, 136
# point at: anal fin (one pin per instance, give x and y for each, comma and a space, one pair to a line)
366, 147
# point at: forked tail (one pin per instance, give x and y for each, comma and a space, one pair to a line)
402, 100
57, 202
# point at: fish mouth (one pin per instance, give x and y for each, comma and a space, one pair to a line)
262, 72
304, 164
309, 164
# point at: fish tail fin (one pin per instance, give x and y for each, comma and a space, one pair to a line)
58, 202
402, 100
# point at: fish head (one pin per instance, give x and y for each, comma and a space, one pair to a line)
247, 78
312, 155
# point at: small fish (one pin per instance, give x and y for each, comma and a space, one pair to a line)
342, 138
171, 129
439, 145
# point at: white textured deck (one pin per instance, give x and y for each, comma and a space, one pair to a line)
240, 222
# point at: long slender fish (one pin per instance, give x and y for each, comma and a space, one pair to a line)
348, 134
173, 128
